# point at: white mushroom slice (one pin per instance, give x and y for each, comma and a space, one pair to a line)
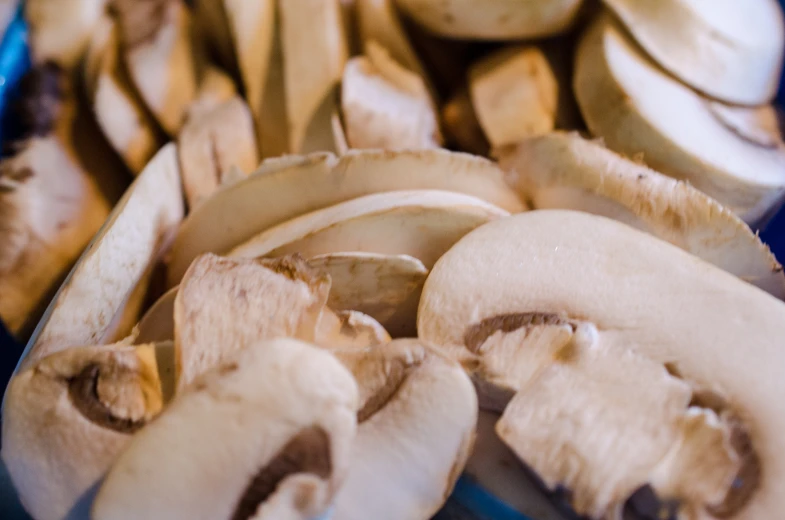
106, 288
157, 324
461, 126
315, 50
296, 406
225, 305
156, 43
416, 426
515, 95
60, 31
565, 171
282, 189
649, 304
119, 110
385, 287
349, 329
385, 105
419, 223
639, 109
211, 143
729, 50
493, 19
67, 418
215, 88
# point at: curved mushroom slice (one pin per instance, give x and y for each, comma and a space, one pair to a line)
211, 143
60, 31
156, 43
564, 171
349, 329
282, 189
637, 108
105, 290
493, 19
461, 126
224, 305
730, 51
157, 324
68, 416
315, 50
385, 105
419, 223
385, 287
416, 426
297, 407
515, 95
646, 306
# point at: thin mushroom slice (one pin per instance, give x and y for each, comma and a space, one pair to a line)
493, 19
297, 407
718, 403
224, 305
416, 424
157, 324
515, 94
213, 142
565, 171
349, 329
156, 42
645, 114
385, 105
728, 50
419, 223
68, 416
60, 31
385, 287
104, 292
282, 189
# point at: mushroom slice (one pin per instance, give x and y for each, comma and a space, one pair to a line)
639, 109
461, 126
216, 87
311, 32
156, 43
385, 287
157, 324
385, 105
564, 171
349, 329
106, 288
224, 305
211, 143
282, 189
296, 406
728, 50
515, 94
420, 223
60, 31
416, 424
493, 19
622, 285
68, 416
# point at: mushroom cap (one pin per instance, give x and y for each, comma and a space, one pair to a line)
296, 406
729, 50
419, 223
68, 416
745, 176
565, 171
284, 188
493, 19
643, 297
417, 417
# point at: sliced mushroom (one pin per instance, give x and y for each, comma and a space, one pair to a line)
349, 329
416, 424
419, 223
216, 87
105, 290
385, 287
157, 324
211, 143
156, 43
493, 19
564, 171
650, 323
730, 51
295, 406
515, 94
312, 33
639, 109
294, 186
385, 105
68, 417
225, 305
60, 31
